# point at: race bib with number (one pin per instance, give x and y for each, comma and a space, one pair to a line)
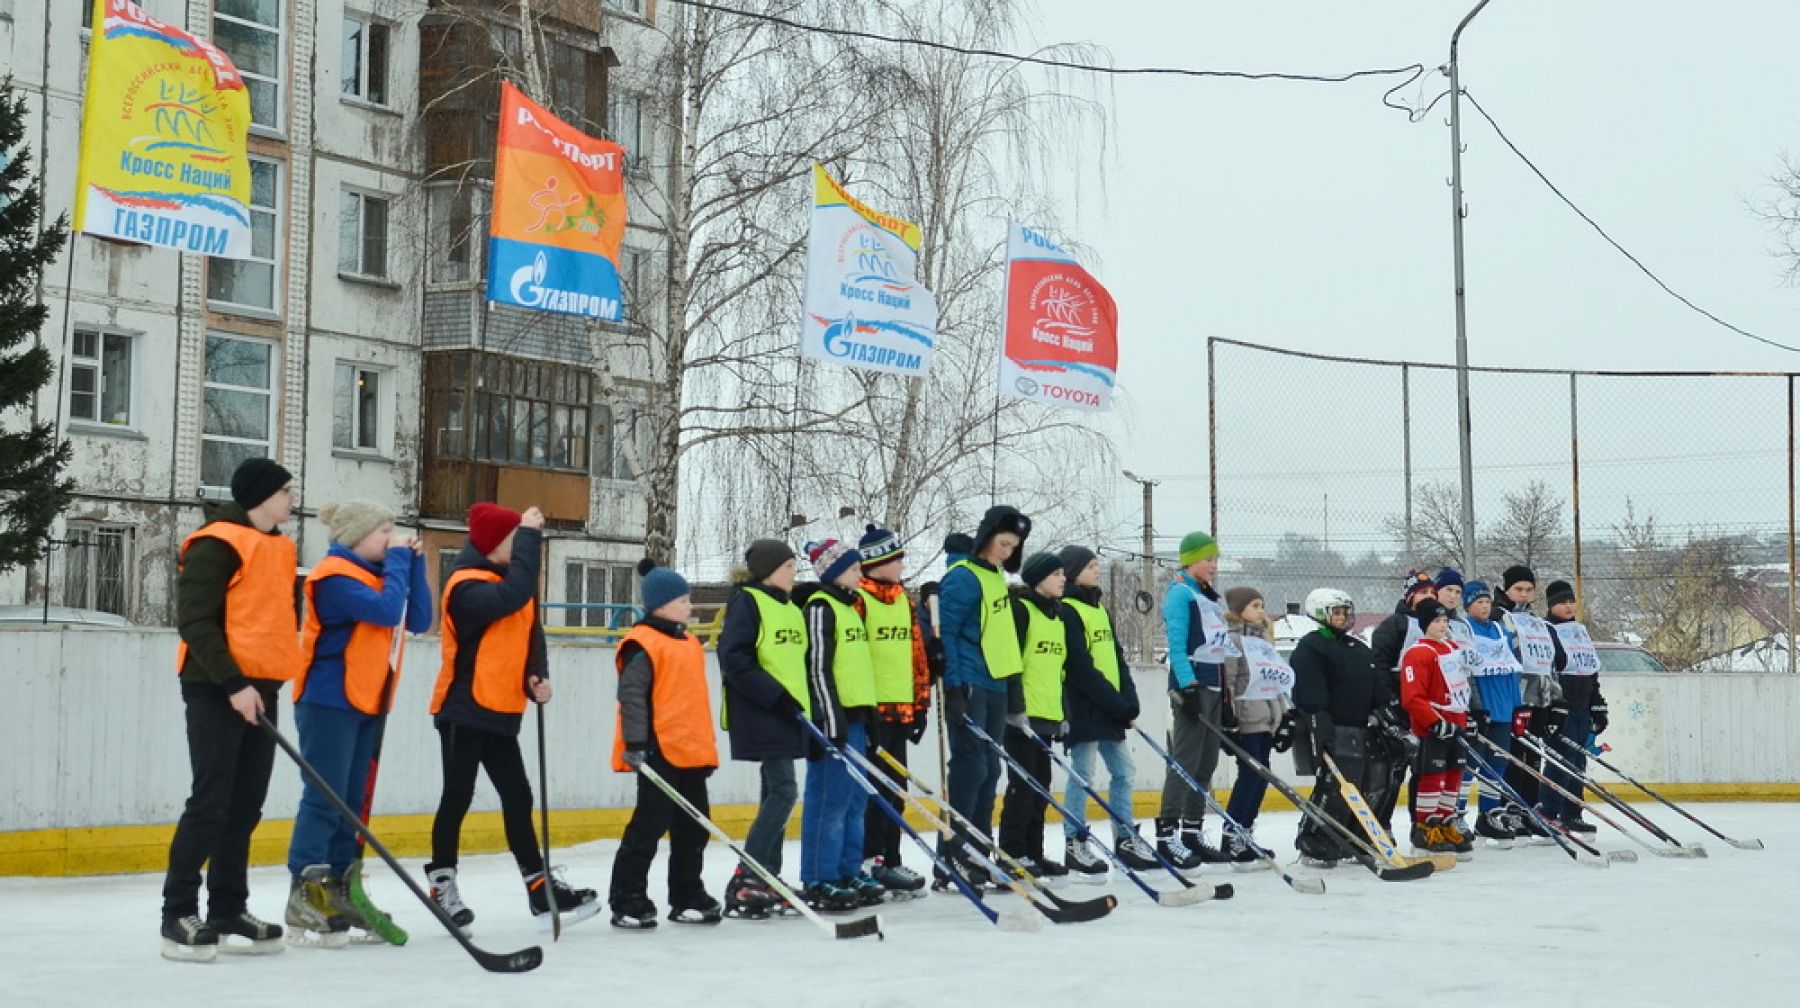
1537, 652
1463, 636
1454, 667
1217, 646
1270, 677
1493, 657
1578, 644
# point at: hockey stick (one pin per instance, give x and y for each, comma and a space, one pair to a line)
544, 824
1751, 844
1552, 759
1310, 886
1308, 809
1186, 897
1675, 849
1587, 856
945, 809
1618, 855
380, 923
1385, 845
859, 928
1222, 891
1057, 913
522, 961
1005, 922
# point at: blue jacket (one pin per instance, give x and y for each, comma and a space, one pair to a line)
758, 722
1496, 694
959, 609
1185, 635
342, 602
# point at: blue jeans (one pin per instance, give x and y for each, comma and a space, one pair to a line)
1494, 767
974, 765
1247, 791
831, 817
339, 743
1576, 729
774, 805
1118, 792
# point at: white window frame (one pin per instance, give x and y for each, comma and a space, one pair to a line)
630, 8
81, 543
361, 198
274, 213
615, 575
280, 81
98, 364
360, 96
273, 392
635, 160
355, 371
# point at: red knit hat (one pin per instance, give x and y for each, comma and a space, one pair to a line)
489, 524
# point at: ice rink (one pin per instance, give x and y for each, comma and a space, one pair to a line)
1511, 928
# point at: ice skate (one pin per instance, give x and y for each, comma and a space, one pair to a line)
748, 897
700, 909
445, 893
573, 905
1460, 844
1194, 839
1492, 827
1084, 864
189, 939
1171, 844
1136, 854
830, 897
259, 936
634, 913
900, 882
1245, 853
312, 916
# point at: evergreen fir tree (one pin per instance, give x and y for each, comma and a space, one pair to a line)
32, 491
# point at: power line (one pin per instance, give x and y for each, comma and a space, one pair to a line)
1414, 70
1635, 261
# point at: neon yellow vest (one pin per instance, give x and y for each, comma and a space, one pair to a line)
1044, 654
852, 670
890, 647
999, 637
1096, 626
781, 646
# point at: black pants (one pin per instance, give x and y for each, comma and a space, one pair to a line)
881, 834
1369, 768
1520, 779
466, 750
1022, 815
657, 814
231, 761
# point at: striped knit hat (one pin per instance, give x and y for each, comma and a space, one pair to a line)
877, 546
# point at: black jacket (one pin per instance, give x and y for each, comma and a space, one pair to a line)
759, 711
473, 607
1580, 692
1387, 640
1096, 712
1335, 674
828, 711
206, 572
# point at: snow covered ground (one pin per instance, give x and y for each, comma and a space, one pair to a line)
1517, 927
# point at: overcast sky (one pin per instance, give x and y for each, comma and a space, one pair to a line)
1310, 216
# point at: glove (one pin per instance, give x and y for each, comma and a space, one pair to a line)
1598, 712
1228, 719
1284, 731
916, 730
1521, 721
1060, 732
1443, 730
635, 754
1551, 724
1191, 699
956, 702
1479, 718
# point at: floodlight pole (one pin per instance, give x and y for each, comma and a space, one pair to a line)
1457, 213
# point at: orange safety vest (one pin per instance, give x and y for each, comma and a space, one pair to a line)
366, 655
505, 647
680, 707
260, 630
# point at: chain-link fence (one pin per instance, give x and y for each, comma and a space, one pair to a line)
1665, 498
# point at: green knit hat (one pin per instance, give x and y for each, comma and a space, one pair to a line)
1197, 546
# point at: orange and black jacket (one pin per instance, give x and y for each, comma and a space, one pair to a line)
208, 566
475, 605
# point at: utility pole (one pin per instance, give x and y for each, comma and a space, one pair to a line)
1457, 213
1147, 560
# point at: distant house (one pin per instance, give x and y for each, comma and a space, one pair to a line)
1748, 633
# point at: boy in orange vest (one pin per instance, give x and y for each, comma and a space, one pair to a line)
234, 605
664, 719
493, 664
370, 586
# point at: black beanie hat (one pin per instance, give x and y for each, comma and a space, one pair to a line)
1003, 518
1428, 610
1075, 560
256, 480
1514, 574
1558, 592
958, 544
764, 555
1038, 567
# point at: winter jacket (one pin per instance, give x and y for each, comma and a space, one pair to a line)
1095, 710
1424, 692
206, 571
1498, 695
1335, 675
1579, 692
1181, 620
1253, 716
1536, 690
342, 602
959, 612
1388, 640
472, 606
758, 708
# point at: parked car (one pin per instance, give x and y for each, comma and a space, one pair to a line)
19, 615
1627, 658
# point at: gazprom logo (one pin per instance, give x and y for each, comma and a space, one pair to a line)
526, 281
529, 291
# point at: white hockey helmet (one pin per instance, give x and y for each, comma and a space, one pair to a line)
1321, 601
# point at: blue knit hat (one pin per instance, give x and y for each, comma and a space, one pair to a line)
660, 586
1475, 590
1447, 577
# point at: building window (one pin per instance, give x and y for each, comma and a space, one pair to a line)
100, 378
531, 414
625, 126
356, 408
599, 585
365, 59
621, 433
250, 33
96, 567
363, 234
452, 224
239, 406
633, 7
250, 283
446, 559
